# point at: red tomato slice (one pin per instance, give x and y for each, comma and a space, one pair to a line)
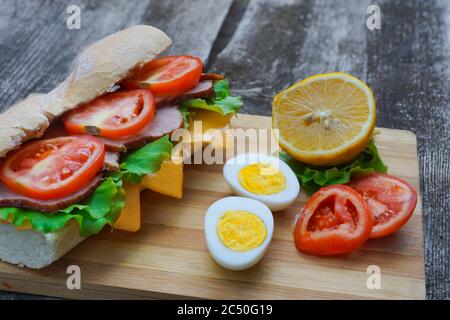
168, 75
335, 220
391, 201
53, 168
113, 115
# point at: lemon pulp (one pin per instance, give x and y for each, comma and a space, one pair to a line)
325, 119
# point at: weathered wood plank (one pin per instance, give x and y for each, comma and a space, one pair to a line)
37, 49
406, 63
159, 262
409, 69
192, 25
279, 43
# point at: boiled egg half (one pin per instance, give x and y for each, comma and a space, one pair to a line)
264, 178
238, 231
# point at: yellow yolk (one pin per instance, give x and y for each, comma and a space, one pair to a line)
261, 178
241, 230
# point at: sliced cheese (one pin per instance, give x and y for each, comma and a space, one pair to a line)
208, 129
168, 180
130, 219
209, 119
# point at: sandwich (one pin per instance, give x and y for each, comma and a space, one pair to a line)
74, 160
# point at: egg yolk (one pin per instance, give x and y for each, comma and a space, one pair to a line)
241, 230
262, 178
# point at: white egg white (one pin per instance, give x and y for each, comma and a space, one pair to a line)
224, 256
276, 202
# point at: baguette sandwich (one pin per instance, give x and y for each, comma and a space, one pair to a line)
75, 159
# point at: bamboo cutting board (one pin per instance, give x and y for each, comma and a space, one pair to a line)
168, 257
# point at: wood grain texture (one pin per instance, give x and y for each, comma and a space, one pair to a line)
409, 69
406, 63
37, 49
281, 42
168, 257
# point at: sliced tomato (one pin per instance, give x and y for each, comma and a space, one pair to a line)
335, 220
113, 115
391, 201
167, 76
53, 168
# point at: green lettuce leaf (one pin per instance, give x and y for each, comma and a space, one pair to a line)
145, 160
313, 178
186, 116
102, 207
222, 102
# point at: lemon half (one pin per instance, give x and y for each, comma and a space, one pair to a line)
325, 119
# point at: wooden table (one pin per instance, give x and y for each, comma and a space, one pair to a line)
263, 46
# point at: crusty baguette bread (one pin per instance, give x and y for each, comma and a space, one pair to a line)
35, 249
25, 120
106, 62
98, 68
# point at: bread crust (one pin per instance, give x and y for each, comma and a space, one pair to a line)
97, 69
23, 121
35, 249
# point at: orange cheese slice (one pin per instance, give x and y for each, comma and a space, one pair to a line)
214, 131
130, 219
168, 180
209, 120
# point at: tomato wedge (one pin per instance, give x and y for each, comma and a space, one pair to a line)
167, 76
391, 201
335, 220
113, 115
53, 168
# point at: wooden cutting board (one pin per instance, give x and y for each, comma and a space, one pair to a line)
168, 258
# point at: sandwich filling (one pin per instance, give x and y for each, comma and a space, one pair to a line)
130, 132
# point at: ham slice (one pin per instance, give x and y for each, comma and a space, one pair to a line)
204, 89
166, 120
9, 198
